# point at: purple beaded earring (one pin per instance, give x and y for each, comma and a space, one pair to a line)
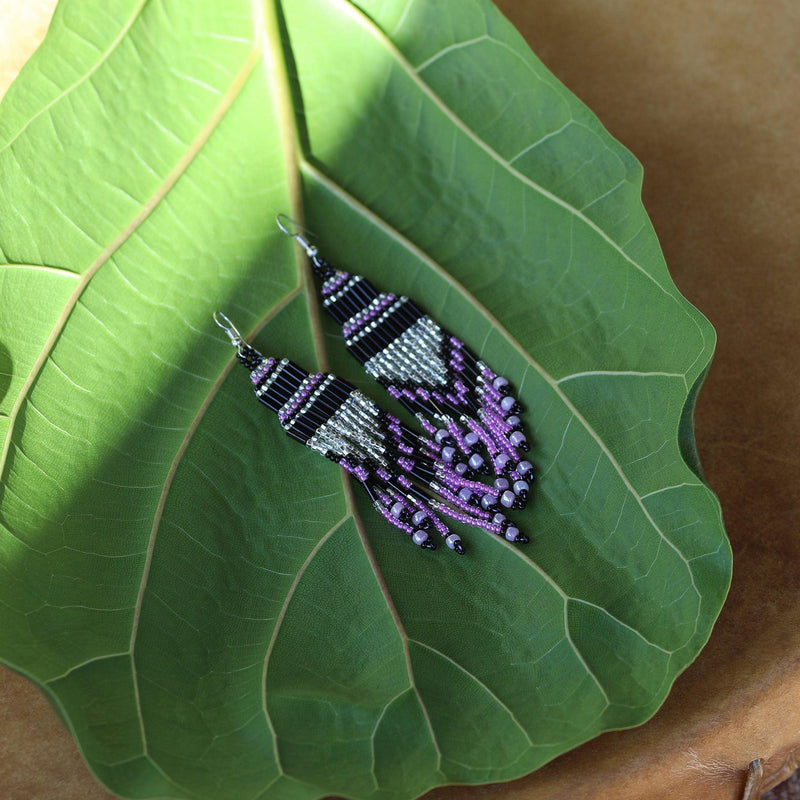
404, 474
467, 409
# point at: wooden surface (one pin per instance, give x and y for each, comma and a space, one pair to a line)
706, 95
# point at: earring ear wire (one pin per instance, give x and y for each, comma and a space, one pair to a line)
286, 224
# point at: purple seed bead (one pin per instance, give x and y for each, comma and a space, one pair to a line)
418, 518
516, 438
420, 537
487, 501
507, 498
521, 486
501, 484
507, 403
511, 533
475, 461
524, 466
499, 382
452, 540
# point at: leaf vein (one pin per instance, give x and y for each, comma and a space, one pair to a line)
480, 683
104, 56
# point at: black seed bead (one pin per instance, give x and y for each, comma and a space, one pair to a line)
249, 356
322, 268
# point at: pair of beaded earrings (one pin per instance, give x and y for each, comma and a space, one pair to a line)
470, 420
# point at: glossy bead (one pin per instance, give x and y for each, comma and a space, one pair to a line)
471, 439
499, 383
418, 517
517, 438
502, 461
475, 461
511, 533
487, 501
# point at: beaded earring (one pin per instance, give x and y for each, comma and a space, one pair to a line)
404, 474
465, 407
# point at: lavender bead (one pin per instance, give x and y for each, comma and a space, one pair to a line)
465, 494
452, 540
418, 518
396, 510
520, 487
516, 438
499, 518
441, 435
524, 466
487, 501
499, 383
475, 461
502, 460
471, 439
420, 537
507, 403
511, 533
501, 484
447, 454
460, 468
513, 421
508, 498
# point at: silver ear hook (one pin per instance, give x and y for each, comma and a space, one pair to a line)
311, 251
236, 338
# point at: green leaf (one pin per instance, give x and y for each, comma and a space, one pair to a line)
212, 608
